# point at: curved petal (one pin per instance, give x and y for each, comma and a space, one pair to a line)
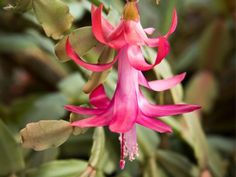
95, 121
155, 42
116, 38
93, 67
99, 98
97, 27
149, 31
173, 24
83, 110
161, 85
137, 60
154, 124
164, 110
106, 26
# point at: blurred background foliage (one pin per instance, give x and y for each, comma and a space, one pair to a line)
34, 86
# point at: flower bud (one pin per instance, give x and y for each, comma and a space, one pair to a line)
131, 11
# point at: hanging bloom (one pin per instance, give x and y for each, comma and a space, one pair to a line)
128, 106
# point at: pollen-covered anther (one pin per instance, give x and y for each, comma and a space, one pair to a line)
131, 152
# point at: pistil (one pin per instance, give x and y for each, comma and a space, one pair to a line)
122, 151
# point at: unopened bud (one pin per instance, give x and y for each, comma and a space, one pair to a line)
131, 11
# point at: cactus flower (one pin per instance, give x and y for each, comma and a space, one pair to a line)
128, 106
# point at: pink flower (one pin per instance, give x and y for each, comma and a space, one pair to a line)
128, 106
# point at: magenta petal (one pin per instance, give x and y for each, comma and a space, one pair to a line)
154, 124
116, 38
155, 42
95, 121
97, 23
163, 50
137, 60
161, 85
149, 30
173, 24
83, 110
164, 110
99, 98
134, 33
125, 103
93, 67
124, 117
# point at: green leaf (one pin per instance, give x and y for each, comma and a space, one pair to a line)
97, 154
97, 78
152, 169
45, 134
221, 143
11, 159
217, 164
98, 147
176, 164
89, 49
71, 86
54, 17
38, 158
82, 41
100, 174
148, 140
15, 42
59, 168
47, 106
124, 174
110, 159
194, 135
214, 45
114, 4
77, 130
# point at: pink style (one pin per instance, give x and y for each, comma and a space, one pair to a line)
128, 106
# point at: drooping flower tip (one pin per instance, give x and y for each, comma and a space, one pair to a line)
122, 164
